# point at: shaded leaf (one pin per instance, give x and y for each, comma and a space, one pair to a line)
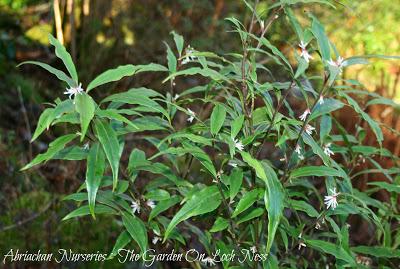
94, 172
109, 141
204, 201
54, 147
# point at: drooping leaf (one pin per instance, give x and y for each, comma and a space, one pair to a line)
305, 207
248, 199
85, 106
123, 239
63, 54
377, 251
162, 206
84, 211
94, 172
385, 185
235, 182
135, 97
45, 120
220, 224
113, 114
328, 106
73, 153
318, 171
205, 72
329, 248
204, 201
122, 71
255, 164
236, 125
255, 213
217, 118
274, 198
137, 230
58, 73
54, 147
322, 40
109, 141
373, 124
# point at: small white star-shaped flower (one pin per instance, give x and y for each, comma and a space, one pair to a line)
253, 249
321, 100
297, 149
303, 116
188, 57
238, 144
309, 129
73, 91
151, 204
191, 115
304, 53
327, 149
155, 240
338, 63
135, 207
331, 200
210, 261
176, 97
232, 163
302, 245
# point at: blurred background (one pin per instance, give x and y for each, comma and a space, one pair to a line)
102, 34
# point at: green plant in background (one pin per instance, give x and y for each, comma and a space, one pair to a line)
209, 182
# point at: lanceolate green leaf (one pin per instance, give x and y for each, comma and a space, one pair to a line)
54, 148
178, 42
274, 198
137, 230
162, 206
171, 60
377, 251
236, 125
113, 114
58, 73
335, 250
236, 179
112, 75
123, 239
94, 172
109, 140
318, 171
219, 225
63, 54
122, 71
85, 106
44, 122
135, 97
323, 41
217, 118
255, 164
246, 201
84, 211
204, 201
205, 72
373, 124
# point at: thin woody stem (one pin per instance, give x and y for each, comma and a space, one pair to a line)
303, 127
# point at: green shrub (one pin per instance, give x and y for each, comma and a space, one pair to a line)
206, 180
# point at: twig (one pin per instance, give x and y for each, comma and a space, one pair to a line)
286, 169
278, 107
31, 218
26, 119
